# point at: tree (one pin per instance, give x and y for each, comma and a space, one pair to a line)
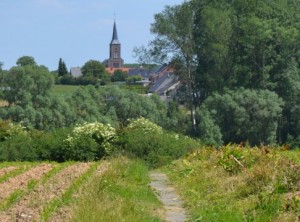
175, 44
212, 32
26, 61
62, 68
246, 115
93, 68
119, 75
1, 65
26, 85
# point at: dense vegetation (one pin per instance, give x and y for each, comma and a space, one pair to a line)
240, 62
239, 184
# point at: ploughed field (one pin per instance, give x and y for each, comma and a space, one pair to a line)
42, 191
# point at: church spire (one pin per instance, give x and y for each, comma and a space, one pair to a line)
115, 39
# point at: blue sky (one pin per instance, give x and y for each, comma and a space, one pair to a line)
74, 30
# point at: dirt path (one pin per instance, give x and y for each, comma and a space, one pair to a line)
173, 205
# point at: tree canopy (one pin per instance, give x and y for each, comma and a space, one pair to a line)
224, 48
26, 61
93, 68
62, 68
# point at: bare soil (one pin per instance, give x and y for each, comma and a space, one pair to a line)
31, 205
21, 181
6, 170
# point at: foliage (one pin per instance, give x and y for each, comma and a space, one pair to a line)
26, 61
146, 140
27, 85
213, 48
89, 141
62, 68
93, 68
246, 115
133, 79
217, 188
119, 75
208, 131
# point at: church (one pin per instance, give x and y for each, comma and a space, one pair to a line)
115, 61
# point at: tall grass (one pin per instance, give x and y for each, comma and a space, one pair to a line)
120, 194
240, 184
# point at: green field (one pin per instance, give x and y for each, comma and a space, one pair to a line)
64, 89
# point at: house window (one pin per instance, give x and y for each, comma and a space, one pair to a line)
116, 55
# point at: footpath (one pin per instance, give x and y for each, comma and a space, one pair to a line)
173, 205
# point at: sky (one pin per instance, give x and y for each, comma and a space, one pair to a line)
74, 30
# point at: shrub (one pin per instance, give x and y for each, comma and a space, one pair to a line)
148, 141
89, 141
17, 148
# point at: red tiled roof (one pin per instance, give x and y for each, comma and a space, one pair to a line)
111, 70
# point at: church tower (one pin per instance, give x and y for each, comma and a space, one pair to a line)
115, 60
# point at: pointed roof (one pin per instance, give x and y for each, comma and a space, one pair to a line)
115, 39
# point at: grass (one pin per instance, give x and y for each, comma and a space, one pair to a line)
263, 186
64, 90
120, 194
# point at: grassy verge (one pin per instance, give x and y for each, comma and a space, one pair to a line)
234, 184
120, 194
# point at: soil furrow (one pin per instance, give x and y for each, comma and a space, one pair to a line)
65, 213
6, 170
21, 181
31, 205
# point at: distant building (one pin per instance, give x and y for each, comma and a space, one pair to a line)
75, 72
115, 60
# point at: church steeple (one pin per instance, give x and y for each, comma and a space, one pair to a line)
115, 60
115, 39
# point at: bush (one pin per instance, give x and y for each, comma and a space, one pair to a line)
17, 148
148, 141
89, 141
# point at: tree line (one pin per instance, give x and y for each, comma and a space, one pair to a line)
239, 62
28, 91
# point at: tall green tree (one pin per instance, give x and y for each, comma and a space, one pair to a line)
27, 85
174, 43
62, 68
93, 68
246, 115
26, 61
